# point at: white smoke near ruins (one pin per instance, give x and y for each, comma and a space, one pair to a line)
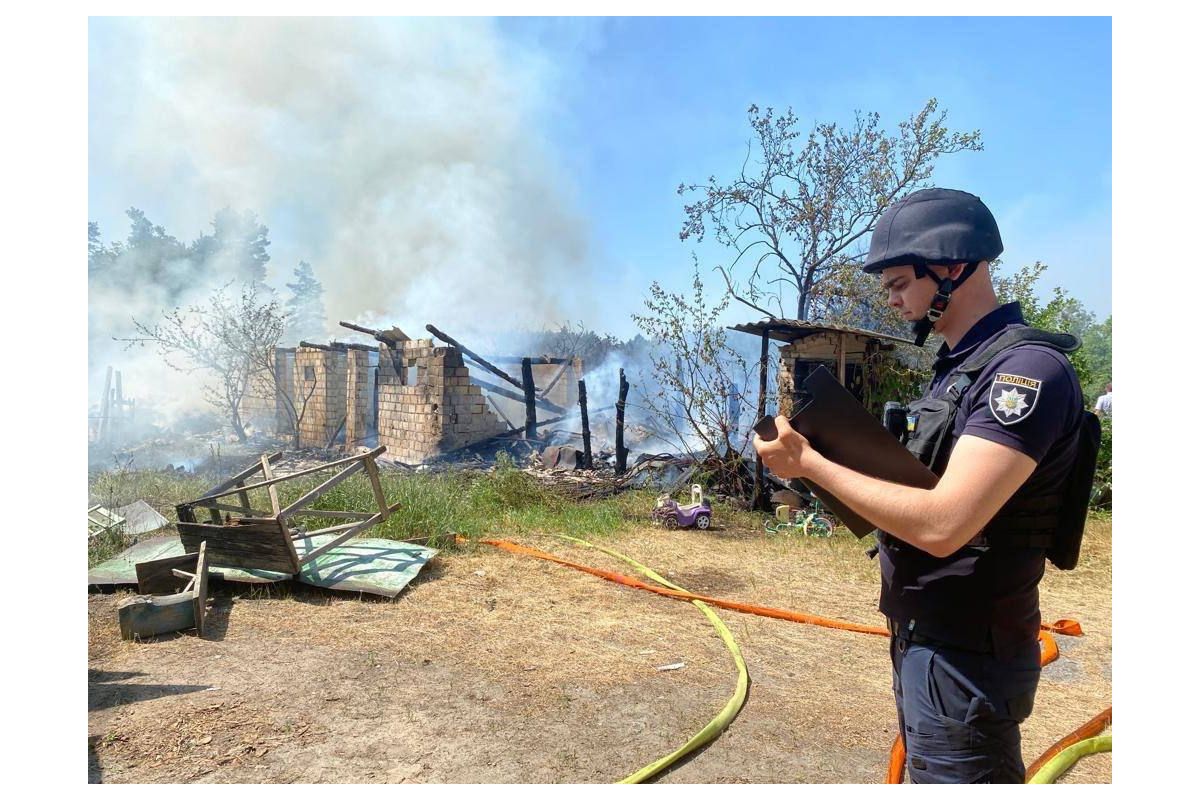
403, 159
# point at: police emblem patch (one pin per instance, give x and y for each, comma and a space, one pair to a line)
1013, 397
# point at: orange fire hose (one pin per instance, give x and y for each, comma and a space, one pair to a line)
895, 774
765, 611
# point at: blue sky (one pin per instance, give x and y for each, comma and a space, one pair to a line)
624, 110
660, 102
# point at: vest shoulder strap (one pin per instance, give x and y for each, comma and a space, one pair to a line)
1062, 342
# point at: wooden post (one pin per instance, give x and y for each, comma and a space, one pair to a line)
841, 351
530, 398
587, 434
622, 450
118, 405
105, 402
759, 494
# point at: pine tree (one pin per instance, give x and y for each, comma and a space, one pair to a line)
306, 310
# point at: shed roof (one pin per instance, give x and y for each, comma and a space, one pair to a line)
790, 330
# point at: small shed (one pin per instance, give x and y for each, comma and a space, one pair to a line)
846, 351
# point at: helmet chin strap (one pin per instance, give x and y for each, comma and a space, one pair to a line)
941, 300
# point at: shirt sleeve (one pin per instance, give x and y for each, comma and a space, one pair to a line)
1026, 399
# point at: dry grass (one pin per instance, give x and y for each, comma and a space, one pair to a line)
561, 665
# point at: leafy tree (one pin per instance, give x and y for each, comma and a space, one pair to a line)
1061, 313
305, 308
1097, 344
802, 206
236, 249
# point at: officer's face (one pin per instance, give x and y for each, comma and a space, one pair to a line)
905, 293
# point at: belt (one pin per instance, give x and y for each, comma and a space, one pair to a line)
910, 634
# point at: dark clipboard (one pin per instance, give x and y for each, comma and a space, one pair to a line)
842, 430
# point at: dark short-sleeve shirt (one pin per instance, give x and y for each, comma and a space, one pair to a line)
1028, 398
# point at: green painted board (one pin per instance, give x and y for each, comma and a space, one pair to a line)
375, 566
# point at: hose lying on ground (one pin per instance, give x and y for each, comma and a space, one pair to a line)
897, 757
1085, 731
1067, 758
726, 715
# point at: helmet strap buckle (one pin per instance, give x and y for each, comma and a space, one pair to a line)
941, 300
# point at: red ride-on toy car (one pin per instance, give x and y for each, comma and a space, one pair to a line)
670, 514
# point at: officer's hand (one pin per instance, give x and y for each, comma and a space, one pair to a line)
788, 453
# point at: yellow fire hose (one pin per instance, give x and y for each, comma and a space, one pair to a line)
721, 721
1056, 761
1067, 758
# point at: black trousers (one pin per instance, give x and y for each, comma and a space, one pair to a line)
960, 711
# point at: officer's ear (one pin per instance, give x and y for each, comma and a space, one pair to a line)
955, 271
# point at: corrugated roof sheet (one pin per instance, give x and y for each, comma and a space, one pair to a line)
788, 330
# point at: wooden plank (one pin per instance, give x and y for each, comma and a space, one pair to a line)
313, 494
349, 534
478, 359
200, 592
841, 356
241, 476
245, 498
321, 512
258, 546
503, 416
377, 487
249, 512
273, 492
332, 529
561, 372
158, 576
263, 484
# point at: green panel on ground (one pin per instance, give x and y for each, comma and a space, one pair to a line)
375, 566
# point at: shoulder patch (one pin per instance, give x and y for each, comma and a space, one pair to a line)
1013, 397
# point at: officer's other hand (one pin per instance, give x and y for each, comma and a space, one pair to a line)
787, 454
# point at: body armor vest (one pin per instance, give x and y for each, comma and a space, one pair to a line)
1053, 519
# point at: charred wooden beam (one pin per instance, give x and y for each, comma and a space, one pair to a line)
622, 450
587, 434
554, 382
530, 399
478, 359
533, 359
520, 398
391, 337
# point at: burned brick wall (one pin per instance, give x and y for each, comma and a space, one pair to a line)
264, 406
427, 404
320, 385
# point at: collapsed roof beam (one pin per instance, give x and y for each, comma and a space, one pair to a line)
478, 359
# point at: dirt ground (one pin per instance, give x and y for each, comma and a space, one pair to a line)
500, 668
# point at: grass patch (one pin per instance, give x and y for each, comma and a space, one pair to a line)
503, 502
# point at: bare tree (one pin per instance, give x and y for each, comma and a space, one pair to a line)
794, 217
233, 341
701, 392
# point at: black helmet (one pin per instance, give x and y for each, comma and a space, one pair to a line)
934, 226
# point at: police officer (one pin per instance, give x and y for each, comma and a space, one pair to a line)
960, 563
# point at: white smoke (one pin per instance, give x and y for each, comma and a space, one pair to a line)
402, 158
